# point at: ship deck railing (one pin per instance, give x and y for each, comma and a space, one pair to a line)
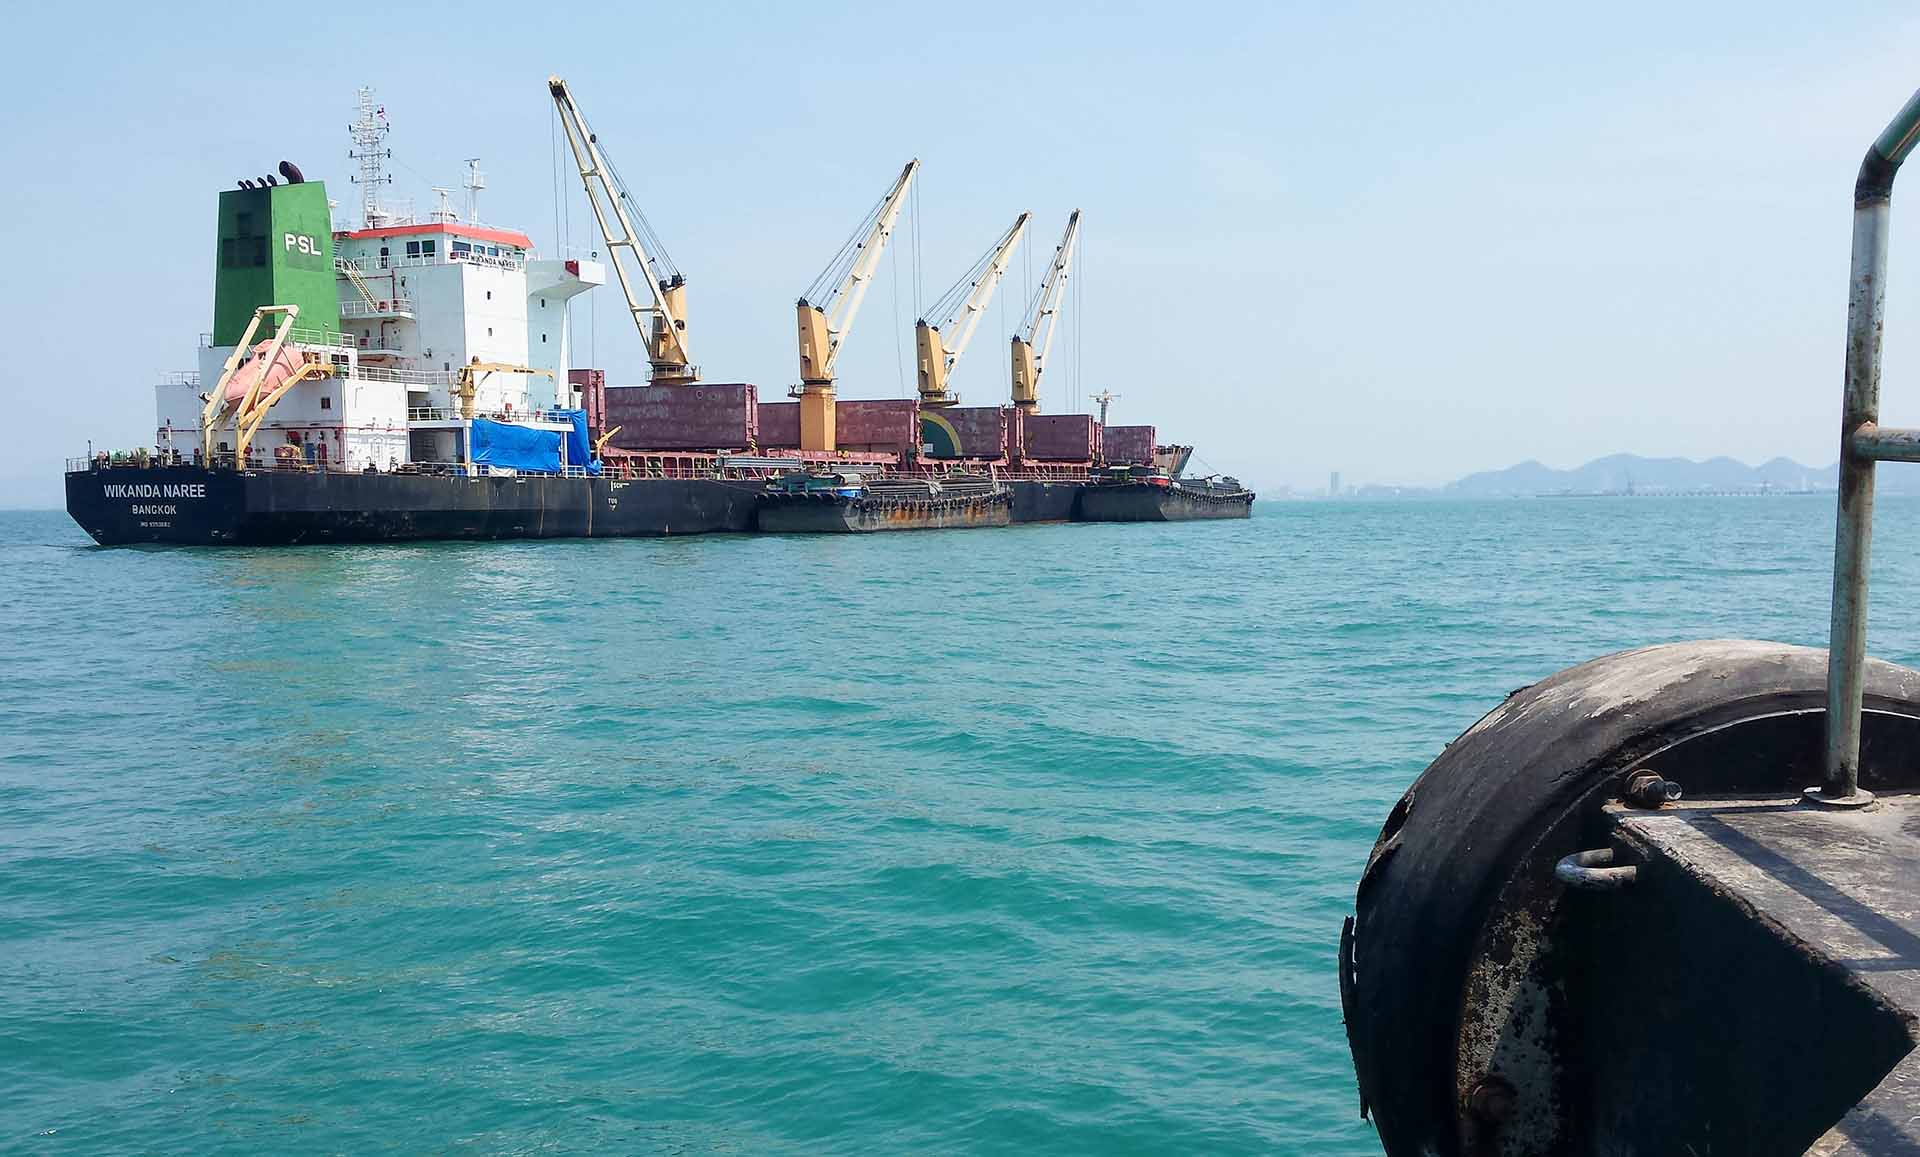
667, 466
380, 307
405, 377
299, 336
454, 414
630, 466
376, 264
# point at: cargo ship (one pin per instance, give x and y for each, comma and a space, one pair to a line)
411, 376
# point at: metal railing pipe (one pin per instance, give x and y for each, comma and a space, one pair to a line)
1886, 443
1853, 532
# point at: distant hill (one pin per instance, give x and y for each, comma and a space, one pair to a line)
1621, 472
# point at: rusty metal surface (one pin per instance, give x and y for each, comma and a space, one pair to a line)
1886, 444
1067, 437
1129, 444
717, 416
593, 397
779, 425
834, 514
1859, 411
882, 426
979, 431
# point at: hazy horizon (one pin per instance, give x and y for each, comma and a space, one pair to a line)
1406, 246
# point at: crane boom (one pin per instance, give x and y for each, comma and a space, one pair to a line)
940, 344
666, 338
824, 326
1035, 338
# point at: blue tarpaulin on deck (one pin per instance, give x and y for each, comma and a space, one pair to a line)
515, 447
577, 452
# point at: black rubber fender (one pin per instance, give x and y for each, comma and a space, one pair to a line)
1530, 767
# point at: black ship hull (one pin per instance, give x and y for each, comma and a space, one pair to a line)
1146, 502
1044, 501
194, 505
837, 514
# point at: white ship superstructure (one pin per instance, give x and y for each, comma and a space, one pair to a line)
432, 323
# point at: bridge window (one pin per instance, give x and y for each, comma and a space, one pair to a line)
326, 403
426, 247
413, 249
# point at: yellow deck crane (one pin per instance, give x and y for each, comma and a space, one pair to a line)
467, 379
616, 213
1035, 338
938, 345
837, 292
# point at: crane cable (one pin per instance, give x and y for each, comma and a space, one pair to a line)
827, 286
919, 278
656, 249
553, 150
1079, 322
1026, 251
1003, 329
948, 304
899, 351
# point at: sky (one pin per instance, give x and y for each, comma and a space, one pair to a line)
1405, 242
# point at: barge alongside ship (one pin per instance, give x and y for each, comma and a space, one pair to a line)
1131, 495
849, 505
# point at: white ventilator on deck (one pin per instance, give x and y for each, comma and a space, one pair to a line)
939, 344
827, 310
616, 214
1035, 338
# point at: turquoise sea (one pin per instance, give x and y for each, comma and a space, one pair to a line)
1023, 841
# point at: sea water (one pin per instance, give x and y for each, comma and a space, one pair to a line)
1033, 840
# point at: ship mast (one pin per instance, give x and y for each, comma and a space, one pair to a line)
1104, 397
476, 181
369, 129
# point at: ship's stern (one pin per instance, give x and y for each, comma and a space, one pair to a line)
120, 505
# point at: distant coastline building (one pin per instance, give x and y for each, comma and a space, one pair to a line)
1333, 485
